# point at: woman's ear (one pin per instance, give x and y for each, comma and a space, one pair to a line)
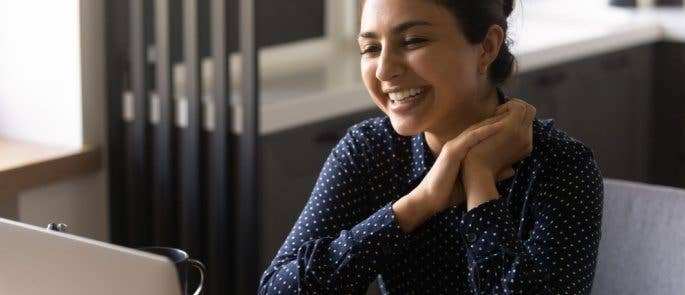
491, 45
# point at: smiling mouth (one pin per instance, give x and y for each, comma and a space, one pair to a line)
406, 96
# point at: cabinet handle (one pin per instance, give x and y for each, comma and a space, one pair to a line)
154, 108
551, 79
209, 113
181, 112
128, 111
327, 137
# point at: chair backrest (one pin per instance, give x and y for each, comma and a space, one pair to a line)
642, 249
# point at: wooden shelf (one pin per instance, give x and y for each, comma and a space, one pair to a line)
25, 165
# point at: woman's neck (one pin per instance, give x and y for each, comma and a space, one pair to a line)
481, 108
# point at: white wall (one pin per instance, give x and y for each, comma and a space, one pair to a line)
40, 75
64, 102
80, 203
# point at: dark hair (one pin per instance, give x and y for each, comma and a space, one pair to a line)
475, 18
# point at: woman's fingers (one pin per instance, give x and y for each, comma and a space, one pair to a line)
475, 134
490, 120
515, 110
519, 109
481, 133
487, 121
531, 111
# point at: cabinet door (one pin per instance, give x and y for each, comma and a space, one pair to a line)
668, 133
543, 89
607, 110
292, 160
642, 71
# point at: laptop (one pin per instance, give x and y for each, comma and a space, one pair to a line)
35, 260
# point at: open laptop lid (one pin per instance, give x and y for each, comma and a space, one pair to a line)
35, 260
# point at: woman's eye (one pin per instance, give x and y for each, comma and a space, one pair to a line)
369, 49
413, 41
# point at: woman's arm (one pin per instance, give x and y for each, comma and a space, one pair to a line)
559, 255
338, 244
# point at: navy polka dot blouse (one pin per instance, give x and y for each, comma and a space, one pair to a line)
540, 237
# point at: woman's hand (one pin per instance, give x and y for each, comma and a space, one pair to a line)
441, 187
483, 162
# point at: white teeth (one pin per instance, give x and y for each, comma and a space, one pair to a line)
402, 95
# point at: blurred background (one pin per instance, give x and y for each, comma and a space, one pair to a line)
138, 122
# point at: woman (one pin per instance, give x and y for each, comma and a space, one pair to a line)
458, 189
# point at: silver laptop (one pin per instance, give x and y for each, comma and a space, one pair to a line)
35, 260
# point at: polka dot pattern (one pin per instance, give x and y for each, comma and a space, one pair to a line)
540, 237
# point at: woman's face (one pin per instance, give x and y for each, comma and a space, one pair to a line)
417, 64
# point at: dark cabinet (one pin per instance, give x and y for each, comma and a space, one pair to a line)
668, 113
291, 162
603, 101
610, 111
544, 89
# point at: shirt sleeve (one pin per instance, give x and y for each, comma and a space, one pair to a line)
337, 245
558, 256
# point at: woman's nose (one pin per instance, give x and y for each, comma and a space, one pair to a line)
389, 66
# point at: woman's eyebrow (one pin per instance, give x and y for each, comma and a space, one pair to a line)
397, 29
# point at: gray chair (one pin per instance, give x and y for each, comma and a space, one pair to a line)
642, 250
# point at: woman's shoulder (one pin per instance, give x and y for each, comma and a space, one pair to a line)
376, 130
552, 145
362, 137
567, 172
375, 137
372, 128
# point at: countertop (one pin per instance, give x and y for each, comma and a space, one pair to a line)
544, 33
25, 165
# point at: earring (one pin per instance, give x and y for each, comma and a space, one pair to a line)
485, 70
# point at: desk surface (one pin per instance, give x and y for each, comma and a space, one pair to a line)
24, 165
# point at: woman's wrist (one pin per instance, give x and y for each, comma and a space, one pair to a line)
411, 211
479, 185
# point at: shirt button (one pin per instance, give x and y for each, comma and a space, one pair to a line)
471, 237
